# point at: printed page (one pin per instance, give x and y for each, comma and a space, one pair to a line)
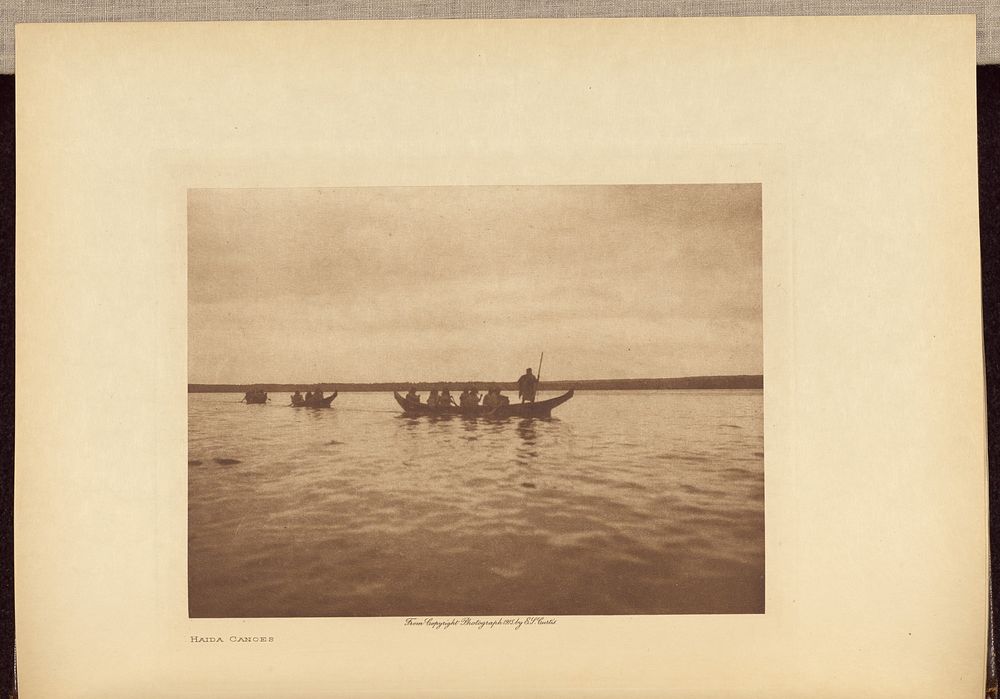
500, 358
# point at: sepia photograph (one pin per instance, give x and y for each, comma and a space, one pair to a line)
475, 400
576, 357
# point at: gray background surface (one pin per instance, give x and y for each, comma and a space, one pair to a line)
17, 11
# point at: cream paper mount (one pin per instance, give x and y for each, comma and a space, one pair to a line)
861, 132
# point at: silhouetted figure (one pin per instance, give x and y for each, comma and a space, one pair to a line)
413, 396
526, 386
492, 399
433, 400
446, 401
469, 398
297, 398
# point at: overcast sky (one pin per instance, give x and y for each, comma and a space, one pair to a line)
453, 283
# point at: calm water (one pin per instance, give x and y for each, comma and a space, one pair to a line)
621, 503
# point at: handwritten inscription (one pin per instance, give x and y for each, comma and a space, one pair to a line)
516, 623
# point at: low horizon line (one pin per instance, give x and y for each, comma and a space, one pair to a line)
712, 378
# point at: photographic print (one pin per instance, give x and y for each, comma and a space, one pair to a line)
475, 400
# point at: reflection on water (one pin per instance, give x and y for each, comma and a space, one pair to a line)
526, 431
621, 503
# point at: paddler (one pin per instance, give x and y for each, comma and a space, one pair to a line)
446, 401
469, 397
492, 399
433, 400
526, 386
413, 396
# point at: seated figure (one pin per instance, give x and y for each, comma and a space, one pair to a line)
433, 399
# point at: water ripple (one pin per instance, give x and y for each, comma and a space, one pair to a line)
626, 503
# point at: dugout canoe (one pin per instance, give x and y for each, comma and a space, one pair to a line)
315, 402
542, 408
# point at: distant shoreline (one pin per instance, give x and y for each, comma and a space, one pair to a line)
741, 381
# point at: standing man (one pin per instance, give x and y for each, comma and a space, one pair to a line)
526, 386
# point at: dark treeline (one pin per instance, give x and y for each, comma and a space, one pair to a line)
687, 382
